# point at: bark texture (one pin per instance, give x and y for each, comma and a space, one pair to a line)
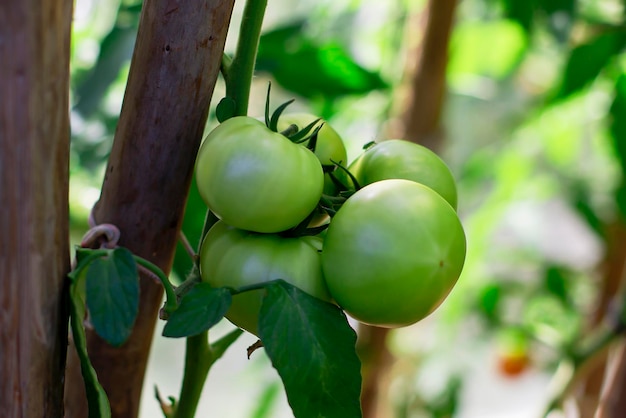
172, 76
34, 220
420, 119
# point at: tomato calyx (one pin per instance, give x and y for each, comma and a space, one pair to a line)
293, 132
341, 186
303, 229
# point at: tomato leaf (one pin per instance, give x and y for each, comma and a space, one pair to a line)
312, 346
587, 60
225, 109
200, 309
113, 295
97, 400
310, 68
618, 137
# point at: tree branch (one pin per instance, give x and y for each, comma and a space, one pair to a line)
34, 181
172, 76
420, 120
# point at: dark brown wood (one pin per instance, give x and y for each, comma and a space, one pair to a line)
377, 361
606, 386
612, 279
420, 119
172, 76
34, 223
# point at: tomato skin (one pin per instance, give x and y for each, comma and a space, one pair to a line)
329, 147
231, 257
393, 252
400, 159
256, 179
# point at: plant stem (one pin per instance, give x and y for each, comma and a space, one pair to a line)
199, 357
171, 303
239, 72
198, 361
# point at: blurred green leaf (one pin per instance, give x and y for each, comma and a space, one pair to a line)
523, 12
267, 400
551, 321
116, 50
617, 130
489, 300
556, 282
312, 69
559, 14
112, 289
492, 49
617, 125
582, 204
586, 61
312, 346
446, 403
201, 308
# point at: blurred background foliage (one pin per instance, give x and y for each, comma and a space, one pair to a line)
535, 132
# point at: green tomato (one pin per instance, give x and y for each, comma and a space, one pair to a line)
393, 252
400, 159
256, 179
329, 147
231, 257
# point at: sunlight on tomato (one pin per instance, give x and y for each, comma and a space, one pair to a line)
393, 252
231, 257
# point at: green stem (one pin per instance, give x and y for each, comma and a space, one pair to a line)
198, 361
199, 357
171, 303
239, 72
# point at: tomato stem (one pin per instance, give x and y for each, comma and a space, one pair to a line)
199, 358
238, 74
171, 303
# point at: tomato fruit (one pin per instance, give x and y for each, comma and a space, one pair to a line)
256, 179
235, 258
393, 252
400, 159
512, 351
329, 147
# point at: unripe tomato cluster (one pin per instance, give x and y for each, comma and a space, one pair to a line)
391, 245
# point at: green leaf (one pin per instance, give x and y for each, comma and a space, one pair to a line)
312, 346
98, 403
84, 257
200, 309
587, 60
225, 109
556, 282
116, 49
490, 299
507, 42
522, 12
113, 295
559, 15
617, 129
617, 125
310, 68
